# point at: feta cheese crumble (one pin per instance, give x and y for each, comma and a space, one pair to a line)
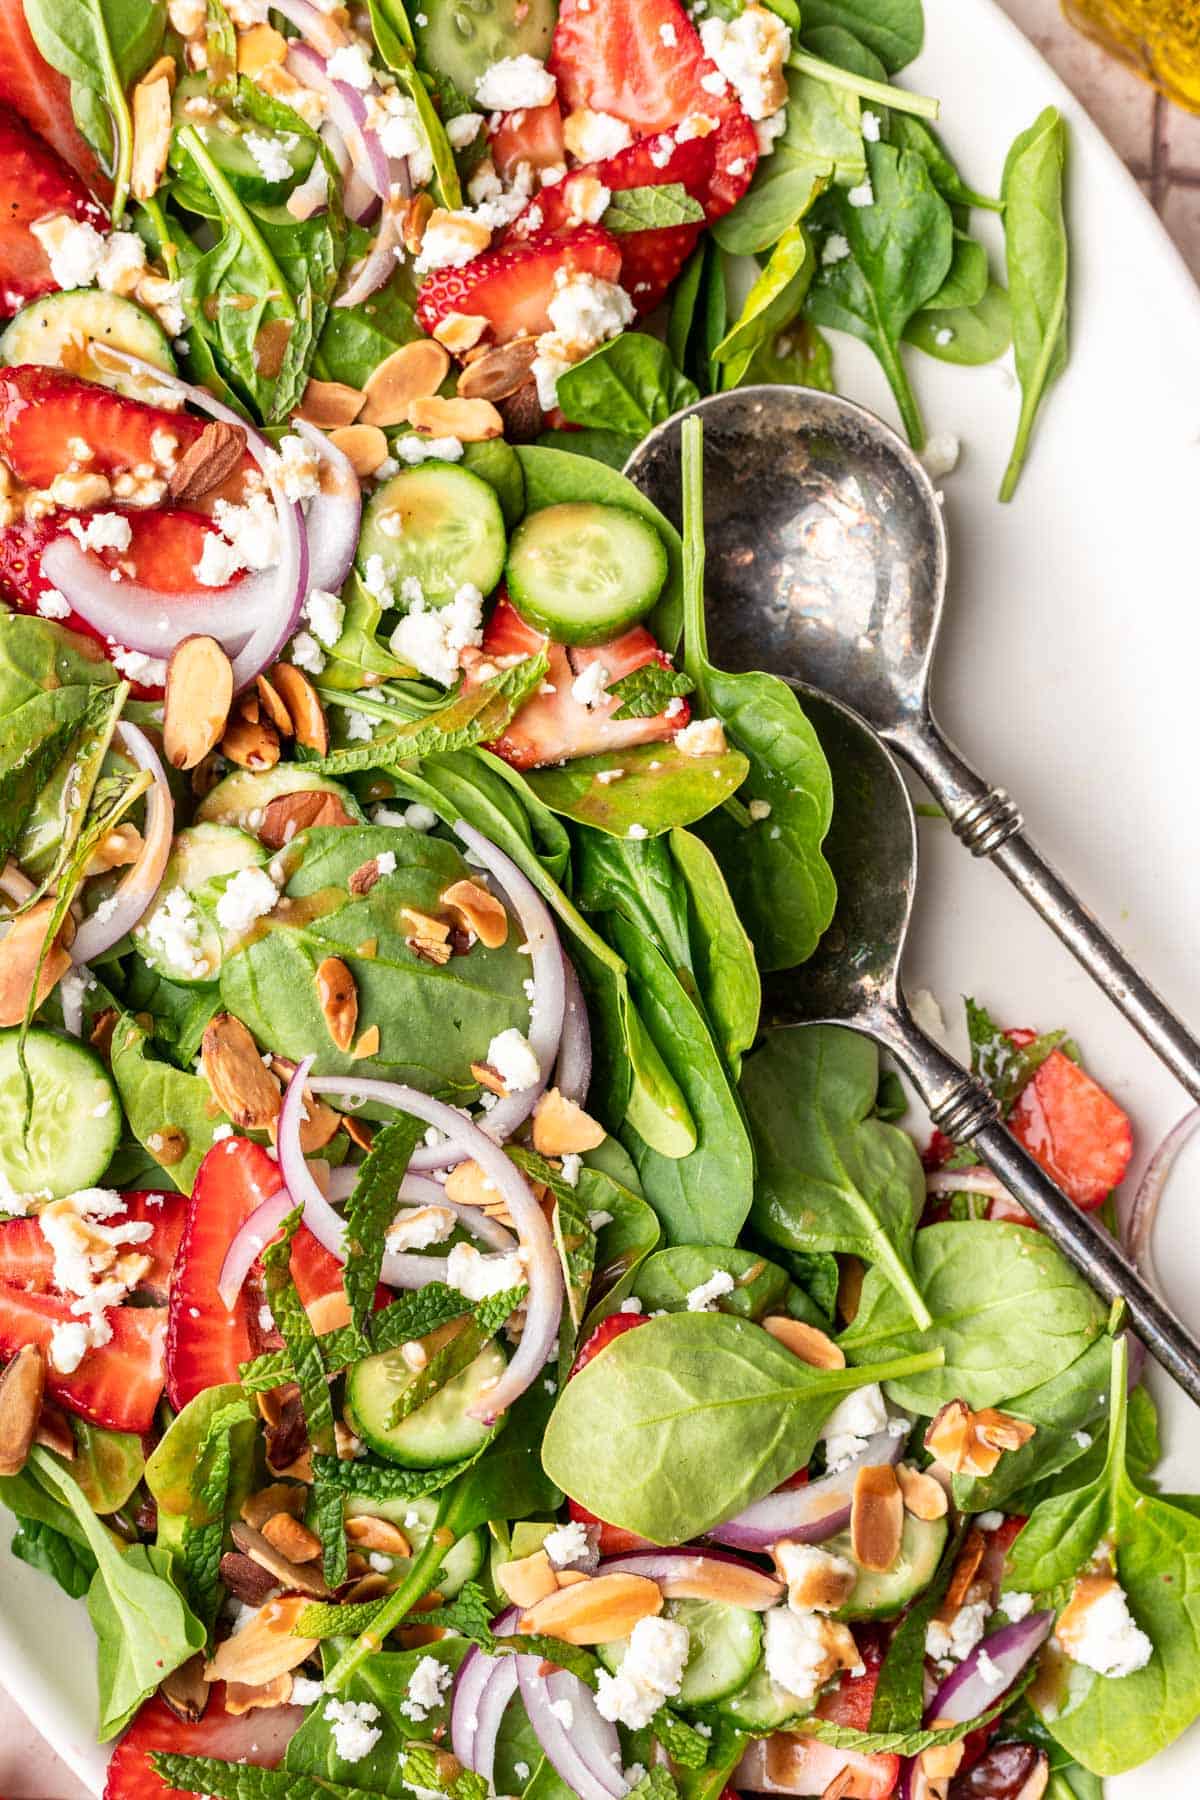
272, 159
651, 1671
325, 613
590, 688
478, 1277
567, 1544
1104, 1635
704, 1297
102, 531
796, 1650
416, 1228
432, 639
426, 1686
750, 51
351, 63
513, 1059
950, 1643
515, 82
355, 1734
855, 1419
249, 895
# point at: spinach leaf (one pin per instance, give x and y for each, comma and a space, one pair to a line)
968, 335
646, 691
1007, 1311
383, 1682
659, 787
628, 1233
1037, 257
107, 1465
665, 1280
612, 448
901, 247
170, 1113
37, 656
356, 339
798, 355
893, 29
722, 954
774, 299
830, 1176
898, 1703
651, 208
966, 280
56, 1555
628, 385
144, 1628
781, 885
822, 144
710, 1413
639, 879
33, 741
508, 1481
394, 41
908, 133
371, 1209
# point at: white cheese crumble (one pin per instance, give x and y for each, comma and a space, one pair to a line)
799, 1562
862, 195
950, 1643
941, 453
432, 639
93, 1263
173, 931
835, 249
416, 1228
651, 1671
750, 52
53, 605
272, 159
512, 1057
855, 1419
355, 1734
567, 1544
515, 82
426, 1686
102, 531
249, 895
797, 1655
703, 737
360, 727
352, 64
595, 136
1108, 1640
297, 468
415, 449
463, 130
704, 1297
325, 613
478, 1277
590, 688
306, 652
1018, 1605
305, 1692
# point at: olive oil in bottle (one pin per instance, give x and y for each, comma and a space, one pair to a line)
1158, 38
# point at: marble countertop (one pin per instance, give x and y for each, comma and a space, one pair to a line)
1161, 145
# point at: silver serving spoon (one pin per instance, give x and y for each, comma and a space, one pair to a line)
827, 557
854, 980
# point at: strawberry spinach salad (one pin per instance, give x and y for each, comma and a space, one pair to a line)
451, 1344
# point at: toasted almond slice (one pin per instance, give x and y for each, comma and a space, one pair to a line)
499, 372
185, 1690
424, 925
264, 1647
270, 1501
411, 373
116, 850
368, 1044
941, 1761
527, 1580
234, 1070
413, 218
807, 1342
963, 1575
298, 694
205, 464
948, 1434
20, 951
732, 1584
364, 446
431, 950
1001, 1431
329, 404
479, 911
596, 1611
251, 744
247, 707
358, 1131
273, 706
151, 134
378, 1534
372, 1586
329, 1312
338, 995
241, 1697
467, 1185
876, 1517
561, 1128
54, 1432
259, 48
489, 1078
292, 1538
461, 332
198, 696
287, 814
924, 1497
471, 421
21, 1387
287, 1572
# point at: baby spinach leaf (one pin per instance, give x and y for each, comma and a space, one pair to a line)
830, 1176
966, 280
394, 41
893, 29
36, 656
646, 691
1007, 1312
665, 1280
371, 1208
638, 878
159, 1101
623, 1241
382, 1682
710, 1413
33, 741
798, 355
107, 1465
821, 145
722, 954
901, 248
651, 208
1037, 256
908, 133
628, 385
612, 448
356, 339
1066, 1411
967, 335
774, 299
56, 1555
497, 463
659, 786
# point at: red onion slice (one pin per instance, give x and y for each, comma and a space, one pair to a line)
1139, 1230
140, 618
586, 1754
15, 885
965, 1693
251, 1241
573, 1071
139, 884
378, 265
808, 1514
483, 1688
316, 27
542, 1269
700, 1575
348, 111
333, 515
966, 1181
417, 1190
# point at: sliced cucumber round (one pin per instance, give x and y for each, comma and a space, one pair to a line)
724, 1645
75, 1120
59, 331
181, 938
243, 797
416, 1519
439, 1432
461, 39
438, 525
881, 1596
762, 1705
225, 139
583, 573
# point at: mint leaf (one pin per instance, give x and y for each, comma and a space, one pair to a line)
287, 1309
898, 1703
244, 1781
372, 1207
412, 1316
1005, 1067
647, 691
451, 1358
321, 1619
473, 715
571, 1657
422, 1770
656, 1784
469, 1614
651, 208
912, 1743
328, 1511
681, 1741
384, 1481
204, 1532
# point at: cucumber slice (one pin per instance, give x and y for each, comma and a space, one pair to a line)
762, 1705
463, 38
416, 1519
75, 1125
438, 1432
192, 954
242, 797
881, 1596
724, 1645
451, 531
225, 140
583, 573
59, 330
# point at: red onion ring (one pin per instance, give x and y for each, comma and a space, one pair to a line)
966, 1181
139, 884
378, 265
542, 1269
415, 1190
587, 1755
251, 1240
573, 1071
808, 1514
696, 1575
965, 1694
482, 1689
315, 26
15, 885
348, 111
1139, 1229
333, 515
127, 612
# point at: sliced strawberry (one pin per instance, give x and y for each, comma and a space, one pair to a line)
41, 95
850, 1702
534, 136
117, 1384
513, 286
34, 181
1077, 1132
27, 1262
790, 1764
615, 1326
259, 1737
554, 725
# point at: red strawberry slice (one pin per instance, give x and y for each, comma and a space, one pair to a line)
513, 286
1076, 1131
259, 1737
117, 1384
554, 725
850, 1702
533, 135
613, 1540
27, 1262
615, 1326
41, 95
34, 181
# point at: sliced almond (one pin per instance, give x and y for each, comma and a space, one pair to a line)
205, 464
1001, 1431
970, 1443
467, 1185
527, 1580
876, 1517
241, 1697
378, 1534
151, 112
338, 995
489, 1078
1072, 1620
923, 1497
287, 814
309, 725
54, 1432
291, 1538
358, 1131
364, 446
20, 951
233, 1068
185, 1690
259, 48
265, 1646
729, 1583
120, 847
596, 1611
363, 879
247, 1580
411, 373
270, 1501
21, 1387
941, 1761
198, 696
962, 1576
817, 1581
329, 1312
461, 332
251, 744
368, 1044
372, 1586
273, 706
561, 1128
413, 219
424, 925
840, 1785
499, 372
431, 950
471, 421
807, 1342
288, 1574
479, 911
329, 404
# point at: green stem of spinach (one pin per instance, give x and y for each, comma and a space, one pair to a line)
397, 1606
695, 631
167, 250
118, 106
893, 367
236, 212
881, 92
